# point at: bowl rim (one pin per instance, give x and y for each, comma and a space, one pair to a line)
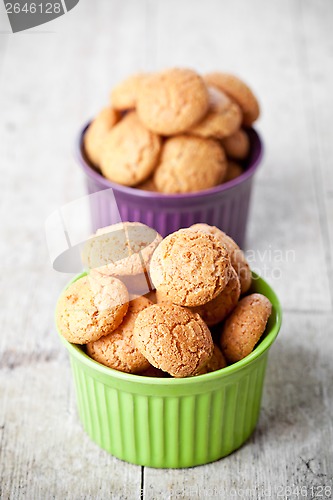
76, 351
255, 139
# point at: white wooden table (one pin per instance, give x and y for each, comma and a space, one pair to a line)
53, 79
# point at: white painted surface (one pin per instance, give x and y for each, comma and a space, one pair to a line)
51, 83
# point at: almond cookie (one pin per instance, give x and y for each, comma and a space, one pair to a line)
84, 313
97, 132
123, 249
173, 339
244, 327
237, 257
190, 268
224, 117
216, 362
237, 145
129, 152
171, 101
218, 309
124, 95
190, 164
117, 350
235, 88
234, 170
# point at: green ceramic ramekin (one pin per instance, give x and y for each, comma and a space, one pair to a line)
173, 422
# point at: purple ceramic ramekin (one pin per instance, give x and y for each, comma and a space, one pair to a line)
225, 206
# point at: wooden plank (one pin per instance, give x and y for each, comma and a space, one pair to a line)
54, 82
44, 452
315, 50
43, 447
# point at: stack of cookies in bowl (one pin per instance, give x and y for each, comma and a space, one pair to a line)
173, 131
178, 306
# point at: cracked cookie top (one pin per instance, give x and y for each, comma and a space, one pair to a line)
87, 309
237, 257
190, 164
244, 327
117, 350
190, 268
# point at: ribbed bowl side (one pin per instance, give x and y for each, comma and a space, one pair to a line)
171, 431
226, 211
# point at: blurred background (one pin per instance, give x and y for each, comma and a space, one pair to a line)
53, 79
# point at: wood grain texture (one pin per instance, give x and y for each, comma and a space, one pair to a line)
50, 84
